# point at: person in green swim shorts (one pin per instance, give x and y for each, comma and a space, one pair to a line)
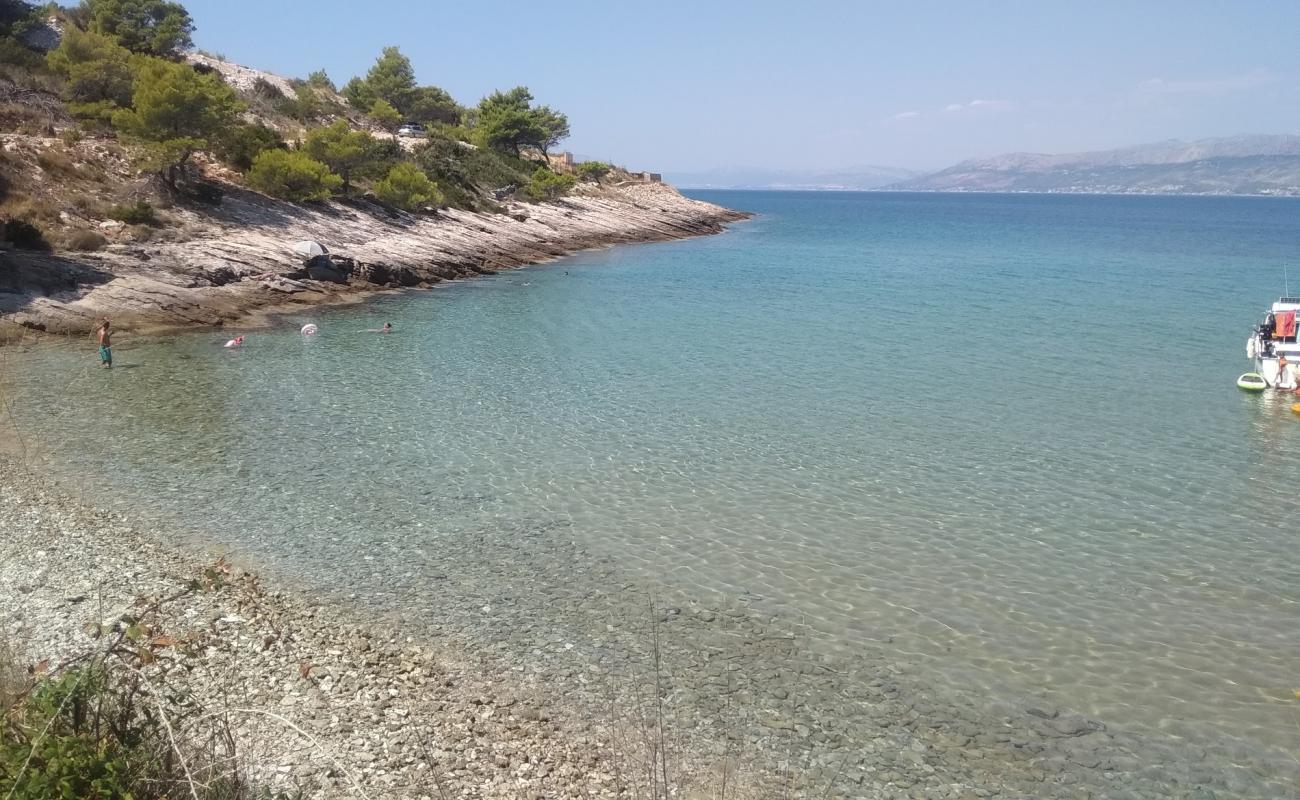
105, 345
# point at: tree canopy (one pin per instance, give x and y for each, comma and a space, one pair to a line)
351, 154
153, 27
392, 79
97, 74
176, 112
507, 122
320, 80
553, 125
593, 171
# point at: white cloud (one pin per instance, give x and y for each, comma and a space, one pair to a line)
904, 115
1223, 84
988, 105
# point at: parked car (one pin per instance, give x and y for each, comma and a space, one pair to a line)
412, 129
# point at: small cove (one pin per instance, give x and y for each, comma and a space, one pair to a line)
947, 428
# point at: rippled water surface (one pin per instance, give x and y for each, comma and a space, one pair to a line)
998, 434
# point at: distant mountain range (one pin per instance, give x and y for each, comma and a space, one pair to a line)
1233, 165
848, 179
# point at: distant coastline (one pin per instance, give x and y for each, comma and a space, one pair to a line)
829, 190
1245, 166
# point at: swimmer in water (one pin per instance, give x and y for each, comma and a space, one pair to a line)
388, 328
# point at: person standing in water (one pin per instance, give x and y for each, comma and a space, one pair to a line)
105, 345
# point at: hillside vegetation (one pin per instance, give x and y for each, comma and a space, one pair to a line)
115, 119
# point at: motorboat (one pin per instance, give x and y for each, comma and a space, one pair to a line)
1273, 346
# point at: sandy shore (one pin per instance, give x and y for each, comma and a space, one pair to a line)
233, 263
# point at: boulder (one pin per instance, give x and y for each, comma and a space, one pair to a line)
330, 270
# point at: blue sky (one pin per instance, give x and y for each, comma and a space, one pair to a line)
680, 86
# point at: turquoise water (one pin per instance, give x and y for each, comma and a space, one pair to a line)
998, 435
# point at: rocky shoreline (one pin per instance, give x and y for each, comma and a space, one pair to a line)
233, 263
550, 687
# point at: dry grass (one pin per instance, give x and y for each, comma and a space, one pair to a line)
57, 163
25, 119
85, 241
36, 210
14, 680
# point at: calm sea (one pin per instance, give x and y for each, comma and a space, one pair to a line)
999, 434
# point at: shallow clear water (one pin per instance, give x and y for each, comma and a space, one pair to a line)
998, 434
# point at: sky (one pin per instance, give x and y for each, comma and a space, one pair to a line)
677, 86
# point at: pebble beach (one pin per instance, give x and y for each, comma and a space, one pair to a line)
342, 702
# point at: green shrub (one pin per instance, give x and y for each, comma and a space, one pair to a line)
464, 173
240, 144
547, 185
384, 115
56, 741
306, 105
15, 52
593, 170
264, 88
408, 188
320, 80
292, 175
85, 241
348, 153
24, 235
96, 71
138, 213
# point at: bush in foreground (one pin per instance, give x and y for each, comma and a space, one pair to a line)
291, 175
114, 724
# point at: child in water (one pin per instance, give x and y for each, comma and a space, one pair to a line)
105, 345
